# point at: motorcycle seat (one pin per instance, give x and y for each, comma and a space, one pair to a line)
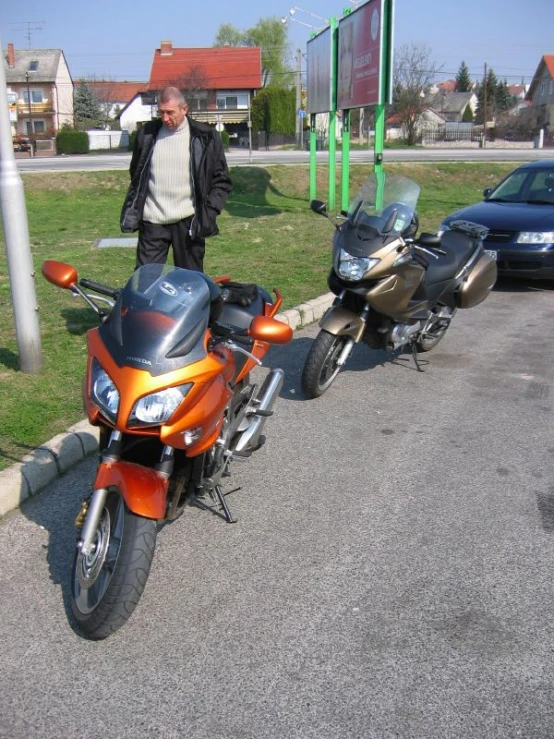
458, 248
240, 316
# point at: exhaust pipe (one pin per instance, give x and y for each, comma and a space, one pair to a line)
250, 439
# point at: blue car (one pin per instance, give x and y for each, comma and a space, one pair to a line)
519, 215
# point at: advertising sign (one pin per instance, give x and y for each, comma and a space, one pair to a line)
360, 58
319, 73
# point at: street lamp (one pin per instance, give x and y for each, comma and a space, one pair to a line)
296, 9
301, 23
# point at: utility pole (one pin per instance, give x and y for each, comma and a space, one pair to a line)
485, 108
18, 251
299, 120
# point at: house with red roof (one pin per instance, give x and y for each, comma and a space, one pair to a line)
112, 94
541, 93
218, 83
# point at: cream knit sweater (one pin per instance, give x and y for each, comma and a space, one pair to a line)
169, 197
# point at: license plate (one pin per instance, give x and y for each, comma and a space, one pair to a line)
492, 254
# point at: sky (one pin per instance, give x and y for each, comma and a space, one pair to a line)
107, 39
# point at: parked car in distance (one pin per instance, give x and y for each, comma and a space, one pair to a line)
519, 216
21, 143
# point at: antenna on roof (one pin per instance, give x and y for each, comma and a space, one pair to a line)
30, 27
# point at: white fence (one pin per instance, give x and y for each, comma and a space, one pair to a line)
110, 140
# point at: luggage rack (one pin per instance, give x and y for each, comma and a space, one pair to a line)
475, 230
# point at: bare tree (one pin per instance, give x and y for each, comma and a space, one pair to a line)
414, 74
193, 84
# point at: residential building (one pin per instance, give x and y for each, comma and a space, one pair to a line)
541, 94
113, 95
40, 90
218, 82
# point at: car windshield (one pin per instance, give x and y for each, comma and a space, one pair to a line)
526, 186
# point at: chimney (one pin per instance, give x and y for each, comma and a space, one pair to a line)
166, 48
11, 56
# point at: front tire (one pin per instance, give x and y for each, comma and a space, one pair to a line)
108, 582
321, 368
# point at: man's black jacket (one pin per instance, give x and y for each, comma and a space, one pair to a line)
210, 178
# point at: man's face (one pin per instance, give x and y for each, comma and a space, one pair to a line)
172, 114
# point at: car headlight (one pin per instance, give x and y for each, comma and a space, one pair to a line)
158, 407
535, 237
354, 268
103, 391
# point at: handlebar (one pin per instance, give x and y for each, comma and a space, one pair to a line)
99, 287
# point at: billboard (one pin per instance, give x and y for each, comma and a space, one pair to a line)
319, 62
361, 49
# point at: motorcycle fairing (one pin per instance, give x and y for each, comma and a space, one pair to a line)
159, 319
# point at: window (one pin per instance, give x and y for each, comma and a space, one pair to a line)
198, 102
37, 127
36, 95
232, 101
33, 66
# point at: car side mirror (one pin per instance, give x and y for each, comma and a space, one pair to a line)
486, 192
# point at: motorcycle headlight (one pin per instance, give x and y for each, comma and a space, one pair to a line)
103, 391
354, 268
158, 407
536, 237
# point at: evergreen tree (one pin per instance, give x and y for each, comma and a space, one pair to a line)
463, 80
87, 110
504, 100
490, 86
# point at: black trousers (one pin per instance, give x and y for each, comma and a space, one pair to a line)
155, 239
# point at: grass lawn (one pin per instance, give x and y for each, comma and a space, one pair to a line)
268, 235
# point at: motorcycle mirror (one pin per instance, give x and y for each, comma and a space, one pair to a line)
264, 328
318, 206
60, 274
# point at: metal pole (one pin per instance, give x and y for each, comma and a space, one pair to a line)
30, 111
299, 121
18, 252
249, 128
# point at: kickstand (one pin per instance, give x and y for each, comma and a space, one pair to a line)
416, 360
220, 507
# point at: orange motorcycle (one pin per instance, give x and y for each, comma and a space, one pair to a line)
168, 384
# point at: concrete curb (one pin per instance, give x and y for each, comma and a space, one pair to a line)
52, 459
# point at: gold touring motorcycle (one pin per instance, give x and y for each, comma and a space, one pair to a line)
394, 289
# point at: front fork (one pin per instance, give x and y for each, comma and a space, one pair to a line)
143, 489
340, 321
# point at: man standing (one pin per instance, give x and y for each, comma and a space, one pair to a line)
179, 185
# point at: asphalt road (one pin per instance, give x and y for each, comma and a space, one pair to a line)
242, 157
390, 574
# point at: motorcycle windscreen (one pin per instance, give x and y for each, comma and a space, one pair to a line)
159, 319
380, 190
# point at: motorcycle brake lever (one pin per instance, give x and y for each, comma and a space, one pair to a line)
236, 348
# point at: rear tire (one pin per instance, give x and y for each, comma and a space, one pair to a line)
108, 583
433, 337
321, 368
